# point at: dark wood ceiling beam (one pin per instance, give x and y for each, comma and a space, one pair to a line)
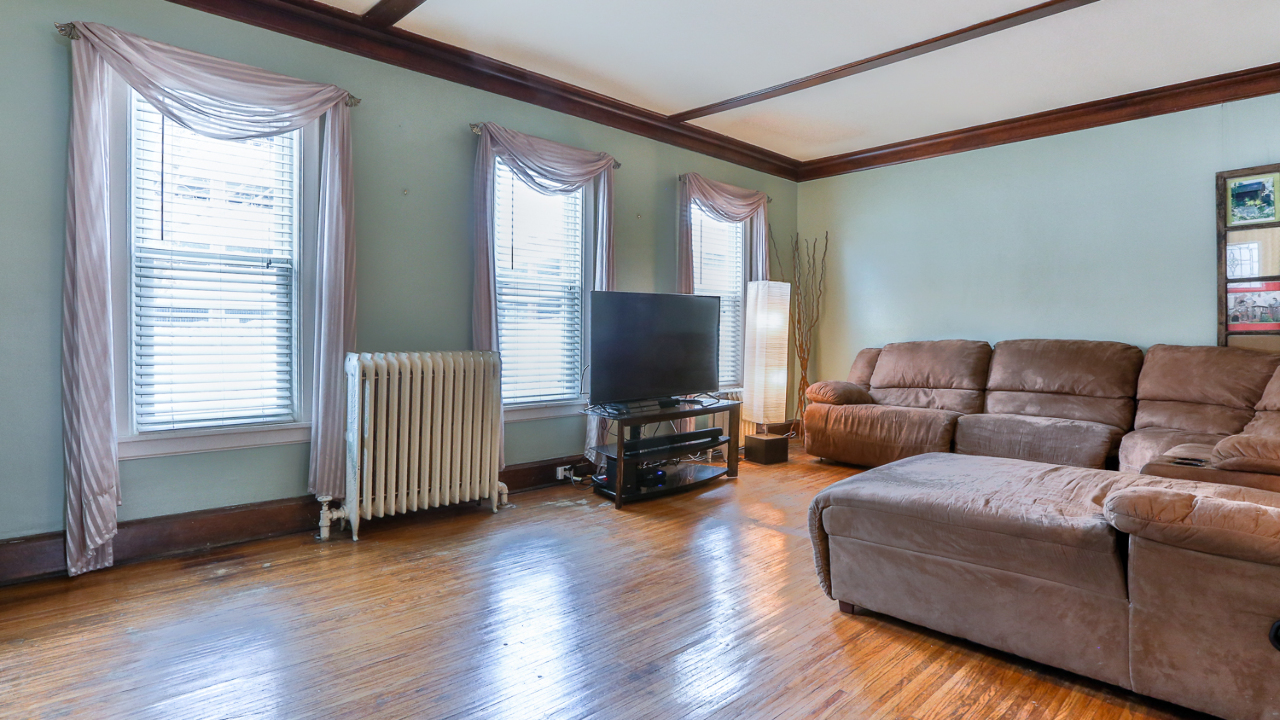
982, 29
329, 26
1240, 85
389, 12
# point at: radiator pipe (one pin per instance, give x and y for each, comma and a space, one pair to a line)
502, 496
327, 516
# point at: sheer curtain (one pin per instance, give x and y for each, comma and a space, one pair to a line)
551, 168
729, 204
219, 99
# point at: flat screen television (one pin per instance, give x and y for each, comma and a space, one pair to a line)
647, 346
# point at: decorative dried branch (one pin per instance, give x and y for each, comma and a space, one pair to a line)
808, 283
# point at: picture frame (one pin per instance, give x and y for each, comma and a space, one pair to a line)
1248, 226
1251, 199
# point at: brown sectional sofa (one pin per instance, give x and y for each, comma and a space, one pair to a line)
1168, 587
1072, 402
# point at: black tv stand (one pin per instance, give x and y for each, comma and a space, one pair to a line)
627, 456
667, 403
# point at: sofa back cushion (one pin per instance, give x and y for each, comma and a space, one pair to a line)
1202, 389
863, 365
1069, 379
941, 374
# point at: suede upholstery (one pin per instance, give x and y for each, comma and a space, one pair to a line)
1027, 557
834, 392
1164, 466
1220, 520
1248, 453
1057, 401
939, 374
1080, 368
1040, 439
1199, 390
864, 364
873, 435
1198, 627
1142, 446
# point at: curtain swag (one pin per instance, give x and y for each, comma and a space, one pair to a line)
550, 168
729, 204
219, 99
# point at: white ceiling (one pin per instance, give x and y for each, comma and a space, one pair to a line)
674, 55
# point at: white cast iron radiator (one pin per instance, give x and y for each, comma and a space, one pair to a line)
423, 430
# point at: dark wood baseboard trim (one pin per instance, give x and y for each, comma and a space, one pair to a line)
329, 26
44, 555
537, 474
1214, 90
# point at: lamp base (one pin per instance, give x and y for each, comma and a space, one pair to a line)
766, 449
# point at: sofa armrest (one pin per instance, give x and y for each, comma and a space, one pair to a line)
1203, 523
1248, 453
835, 392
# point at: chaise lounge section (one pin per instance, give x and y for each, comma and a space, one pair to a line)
1167, 587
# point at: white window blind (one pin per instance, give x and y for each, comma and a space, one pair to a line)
538, 251
718, 270
214, 236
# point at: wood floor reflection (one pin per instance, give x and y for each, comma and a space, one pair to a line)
694, 606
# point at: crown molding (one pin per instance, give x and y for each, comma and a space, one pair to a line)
1215, 90
325, 25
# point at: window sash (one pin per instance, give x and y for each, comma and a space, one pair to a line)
540, 274
214, 231
719, 270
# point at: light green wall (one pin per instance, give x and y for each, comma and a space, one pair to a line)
414, 263
1103, 234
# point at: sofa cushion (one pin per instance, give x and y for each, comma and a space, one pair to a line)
1041, 439
873, 435
1248, 453
1142, 446
1203, 389
1072, 379
864, 364
939, 374
834, 392
1045, 521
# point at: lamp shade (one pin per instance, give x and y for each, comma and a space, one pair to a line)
764, 392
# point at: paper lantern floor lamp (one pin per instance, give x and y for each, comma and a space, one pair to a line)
765, 366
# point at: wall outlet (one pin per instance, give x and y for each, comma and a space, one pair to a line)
564, 472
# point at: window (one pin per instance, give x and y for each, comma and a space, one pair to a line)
541, 260
718, 270
213, 254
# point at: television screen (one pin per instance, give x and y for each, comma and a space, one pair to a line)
646, 346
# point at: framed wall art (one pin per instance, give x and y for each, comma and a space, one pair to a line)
1249, 258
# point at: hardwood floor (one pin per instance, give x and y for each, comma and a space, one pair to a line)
694, 606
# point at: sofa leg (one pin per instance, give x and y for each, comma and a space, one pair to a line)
848, 608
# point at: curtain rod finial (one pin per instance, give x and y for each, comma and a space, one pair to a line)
475, 128
352, 100
68, 30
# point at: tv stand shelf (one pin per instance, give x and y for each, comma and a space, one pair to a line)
681, 477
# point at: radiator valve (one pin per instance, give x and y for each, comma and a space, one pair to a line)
328, 516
